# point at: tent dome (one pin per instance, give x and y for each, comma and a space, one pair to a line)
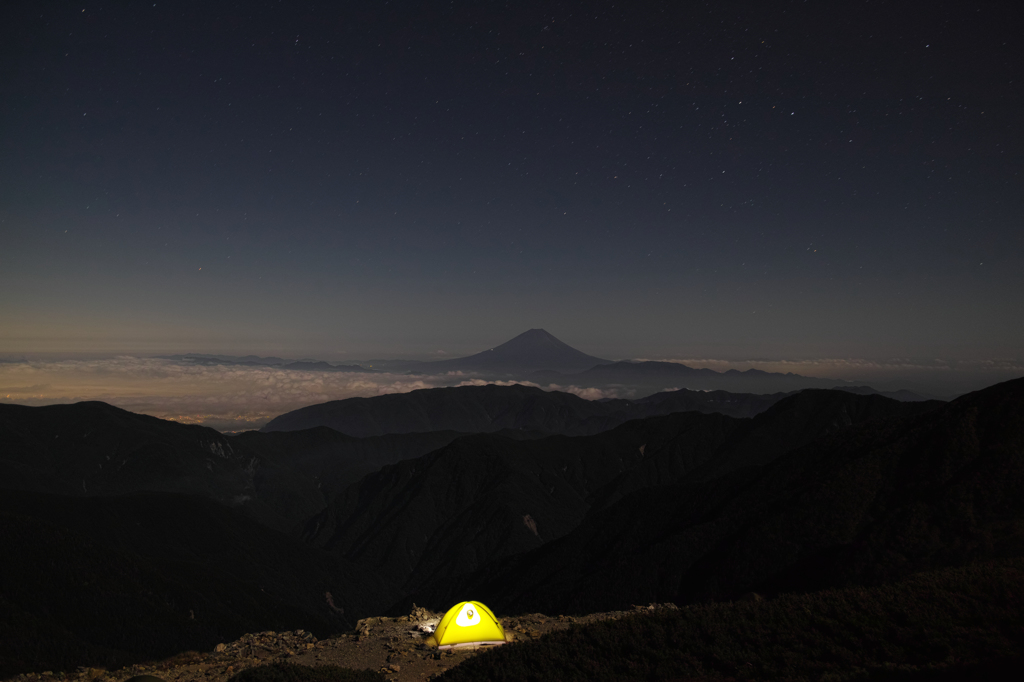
467, 623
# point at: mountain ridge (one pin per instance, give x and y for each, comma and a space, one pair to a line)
492, 407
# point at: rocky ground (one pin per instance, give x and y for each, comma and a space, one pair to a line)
393, 646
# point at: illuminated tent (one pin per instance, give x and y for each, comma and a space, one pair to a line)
467, 623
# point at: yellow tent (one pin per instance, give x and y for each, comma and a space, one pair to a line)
467, 623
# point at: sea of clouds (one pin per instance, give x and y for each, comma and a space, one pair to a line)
239, 397
225, 397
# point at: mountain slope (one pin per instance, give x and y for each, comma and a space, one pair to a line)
490, 408
486, 497
789, 424
868, 503
281, 479
95, 448
468, 409
481, 497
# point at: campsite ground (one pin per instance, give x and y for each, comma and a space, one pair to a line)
390, 645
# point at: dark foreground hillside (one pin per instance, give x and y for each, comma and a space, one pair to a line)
953, 624
963, 623
108, 581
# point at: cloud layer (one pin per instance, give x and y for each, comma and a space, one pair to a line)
236, 397
932, 377
226, 397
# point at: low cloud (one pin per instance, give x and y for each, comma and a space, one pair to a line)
483, 382
592, 393
587, 393
238, 397
938, 377
226, 397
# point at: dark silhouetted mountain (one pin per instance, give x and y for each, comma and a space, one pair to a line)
471, 409
723, 402
281, 479
802, 418
530, 351
904, 395
95, 448
481, 497
484, 409
108, 581
867, 503
301, 470
789, 424
652, 375
487, 497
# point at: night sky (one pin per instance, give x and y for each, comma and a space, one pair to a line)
646, 180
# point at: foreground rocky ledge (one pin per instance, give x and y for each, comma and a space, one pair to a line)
393, 646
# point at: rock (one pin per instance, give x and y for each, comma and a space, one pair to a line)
419, 613
656, 607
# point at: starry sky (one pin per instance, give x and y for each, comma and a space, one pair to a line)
777, 180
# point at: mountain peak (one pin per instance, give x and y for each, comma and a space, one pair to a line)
533, 338
534, 349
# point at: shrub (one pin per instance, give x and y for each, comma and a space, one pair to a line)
937, 623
